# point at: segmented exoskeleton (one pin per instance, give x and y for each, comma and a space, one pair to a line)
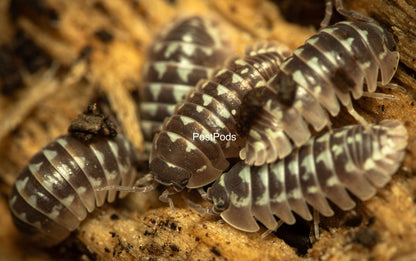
192, 148
58, 187
353, 158
326, 72
185, 52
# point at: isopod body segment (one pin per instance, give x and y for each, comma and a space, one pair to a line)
57, 189
351, 158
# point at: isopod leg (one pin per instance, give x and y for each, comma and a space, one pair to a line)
269, 231
137, 187
143, 180
164, 197
316, 223
203, 194
358, 117
340, 9
196, 206
328, 14
381, 96
351, 14
392, 86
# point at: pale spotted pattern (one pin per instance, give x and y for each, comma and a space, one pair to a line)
351, 158
180, 160
325, 72
186, 51
57, 189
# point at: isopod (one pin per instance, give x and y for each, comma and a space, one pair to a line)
323, 74
352, 157
192, 148
58, 187
185, 52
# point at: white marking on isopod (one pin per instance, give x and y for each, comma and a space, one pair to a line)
244, 71
115, 150
183, 73
13, 200
369, 164
34, 167
299, 78
21, 184
199, 108
81, 190
207, 99
49, 154
260, 84
155, 89
337, 149
350, 166
348, 43
332, 181
236, 78
255, 134
189, 49
171, 48
187, 37
160, 69
240, 62
173, 136
221, 89
186, 120
295, 193
68, 200
312, 189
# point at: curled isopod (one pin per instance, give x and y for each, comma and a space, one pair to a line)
350, 158
57, 189
329, 70
185, 52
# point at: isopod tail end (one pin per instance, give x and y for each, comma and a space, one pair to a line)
393, 142
387, 72
397, 135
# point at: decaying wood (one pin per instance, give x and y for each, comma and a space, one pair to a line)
141, 227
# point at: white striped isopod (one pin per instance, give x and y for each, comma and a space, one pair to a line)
58, 187
330, 69
351, 158
186, 51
